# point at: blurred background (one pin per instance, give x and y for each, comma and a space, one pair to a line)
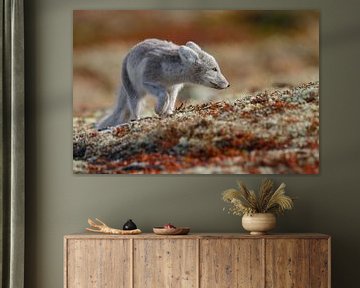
256, 50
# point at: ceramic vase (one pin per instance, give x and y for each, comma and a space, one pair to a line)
259, 223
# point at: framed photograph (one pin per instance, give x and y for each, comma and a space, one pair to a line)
195, 92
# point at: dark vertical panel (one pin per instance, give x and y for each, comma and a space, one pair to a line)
13, 190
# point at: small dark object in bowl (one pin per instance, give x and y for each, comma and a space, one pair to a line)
129, 225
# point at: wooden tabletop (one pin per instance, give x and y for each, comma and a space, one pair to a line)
89, 235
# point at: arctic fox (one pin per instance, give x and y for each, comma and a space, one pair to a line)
161, 68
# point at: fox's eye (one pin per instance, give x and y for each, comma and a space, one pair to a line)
214, 69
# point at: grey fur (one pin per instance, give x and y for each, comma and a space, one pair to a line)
161, 68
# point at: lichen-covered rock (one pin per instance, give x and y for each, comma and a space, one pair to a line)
270, 132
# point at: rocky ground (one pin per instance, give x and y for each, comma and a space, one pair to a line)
269, 132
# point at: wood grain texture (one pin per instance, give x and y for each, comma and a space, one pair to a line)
98, 264
287, 263
88, 235
319, 263
231, 263
165, 263
197, 260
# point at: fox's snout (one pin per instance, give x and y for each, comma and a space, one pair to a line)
221, 83
225, 85
220, 86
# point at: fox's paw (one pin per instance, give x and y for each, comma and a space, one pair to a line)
164, 111
169, 113
166, 114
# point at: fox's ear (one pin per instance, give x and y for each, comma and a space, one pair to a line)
188, 55
193, 46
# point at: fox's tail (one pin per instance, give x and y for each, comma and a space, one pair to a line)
121, 113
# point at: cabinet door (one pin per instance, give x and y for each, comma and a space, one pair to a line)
287, 263
320, 263
165, 263
98, 263
231, 263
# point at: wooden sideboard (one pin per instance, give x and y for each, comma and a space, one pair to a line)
197, 260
